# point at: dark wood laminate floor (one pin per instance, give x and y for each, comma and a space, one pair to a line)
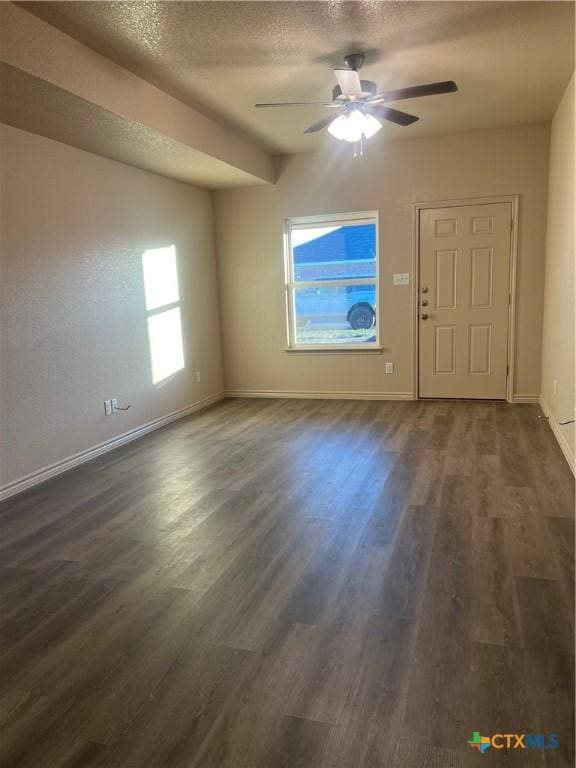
273, 584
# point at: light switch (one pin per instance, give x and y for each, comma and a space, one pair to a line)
401, 278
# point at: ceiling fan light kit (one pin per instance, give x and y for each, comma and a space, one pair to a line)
354, 125
361, 108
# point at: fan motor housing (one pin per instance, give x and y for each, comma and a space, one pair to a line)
354, 60
368, 89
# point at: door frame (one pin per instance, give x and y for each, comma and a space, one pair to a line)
514, 200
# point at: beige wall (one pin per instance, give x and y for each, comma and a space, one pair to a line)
74, 332
390, 178
558, 335
74, 227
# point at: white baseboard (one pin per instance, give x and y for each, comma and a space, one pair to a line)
40, 476
323, 395
525, 398
559, 435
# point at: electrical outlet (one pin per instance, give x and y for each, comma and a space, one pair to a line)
114, 402
108, 408
389, 367
198, 376
555, 385
401, 278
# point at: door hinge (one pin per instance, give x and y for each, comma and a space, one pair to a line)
509, 298
507, 370
511, 224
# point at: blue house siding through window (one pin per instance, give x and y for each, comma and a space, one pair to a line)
346, 252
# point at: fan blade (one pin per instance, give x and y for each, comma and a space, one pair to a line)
393, 115
321, 124
349, 82
416, 91
298, 104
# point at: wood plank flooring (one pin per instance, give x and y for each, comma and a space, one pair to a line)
295, 584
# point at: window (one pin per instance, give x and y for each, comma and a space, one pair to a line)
332, 281
163, 308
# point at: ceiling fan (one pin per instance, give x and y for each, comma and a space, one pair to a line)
360, 107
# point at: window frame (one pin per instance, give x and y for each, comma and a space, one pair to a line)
290, 284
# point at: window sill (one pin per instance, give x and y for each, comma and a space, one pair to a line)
335, 351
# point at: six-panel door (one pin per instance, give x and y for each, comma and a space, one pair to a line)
464, 289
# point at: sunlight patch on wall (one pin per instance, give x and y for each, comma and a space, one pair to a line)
160, 277
165, 334
163, 306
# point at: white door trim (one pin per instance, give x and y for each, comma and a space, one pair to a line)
514, 200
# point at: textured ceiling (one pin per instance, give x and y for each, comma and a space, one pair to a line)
510, 60
39, 107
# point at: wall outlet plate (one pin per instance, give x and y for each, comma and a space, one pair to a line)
389, 367
401, 278
107, 407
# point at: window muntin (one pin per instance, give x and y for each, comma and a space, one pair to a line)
332, 281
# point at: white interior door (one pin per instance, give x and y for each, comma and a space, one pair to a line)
464, 296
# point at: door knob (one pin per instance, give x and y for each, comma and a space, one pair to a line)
424, 289
424, 315
424, 302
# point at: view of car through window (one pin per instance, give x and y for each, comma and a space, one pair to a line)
334, 288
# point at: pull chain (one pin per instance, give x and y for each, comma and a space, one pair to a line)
359, 145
